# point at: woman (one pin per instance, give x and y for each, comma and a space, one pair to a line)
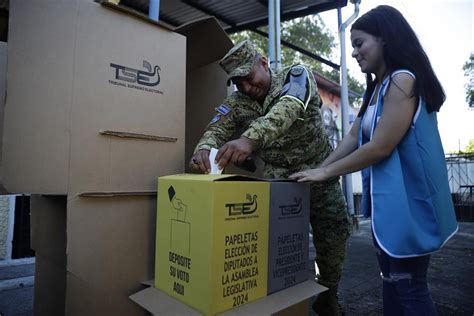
396, 143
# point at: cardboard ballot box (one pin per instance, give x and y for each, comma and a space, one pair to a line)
288, 234
212, 240
225, 240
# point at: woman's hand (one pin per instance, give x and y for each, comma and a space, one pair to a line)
318, 174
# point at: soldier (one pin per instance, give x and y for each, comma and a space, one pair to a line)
277, 116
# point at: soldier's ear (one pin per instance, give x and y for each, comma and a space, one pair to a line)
264, 62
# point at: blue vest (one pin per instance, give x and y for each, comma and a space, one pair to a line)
407, 194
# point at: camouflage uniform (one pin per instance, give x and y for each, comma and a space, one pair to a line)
291, 139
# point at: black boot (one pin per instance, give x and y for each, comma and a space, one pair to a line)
326, 304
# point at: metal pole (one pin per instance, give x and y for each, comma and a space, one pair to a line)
347, 179
274, 49
154, 10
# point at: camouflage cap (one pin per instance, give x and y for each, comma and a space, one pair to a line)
239, 60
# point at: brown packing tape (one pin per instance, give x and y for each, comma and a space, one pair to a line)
115, 194
139, 136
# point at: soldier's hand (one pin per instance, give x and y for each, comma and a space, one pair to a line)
200, 161
235, 151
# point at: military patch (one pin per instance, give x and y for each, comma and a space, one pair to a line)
297, 71
297, 86
223, 109
215, 119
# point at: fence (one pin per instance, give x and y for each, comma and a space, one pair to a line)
461, 183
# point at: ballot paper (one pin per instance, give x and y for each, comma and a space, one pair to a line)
212, 159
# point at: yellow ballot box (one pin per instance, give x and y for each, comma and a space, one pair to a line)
212, 240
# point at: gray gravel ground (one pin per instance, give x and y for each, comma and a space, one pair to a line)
450, 276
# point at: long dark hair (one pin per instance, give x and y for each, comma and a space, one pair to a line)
402, 50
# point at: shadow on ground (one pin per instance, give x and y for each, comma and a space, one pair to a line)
450, 276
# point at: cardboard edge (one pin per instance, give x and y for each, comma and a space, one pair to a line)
231, 177
217, 177
207, 41
240, 177
282, 180
157, 302
148, 282
278, 301
135, 14
183, 29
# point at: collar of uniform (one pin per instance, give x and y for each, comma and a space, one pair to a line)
275, 88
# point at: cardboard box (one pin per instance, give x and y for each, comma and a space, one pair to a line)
206, 82
48, 239
108, 250
203, 257
94, 95
49, 287
97, 96
77, 125
3, 82
212, 240
293, 301
289, 234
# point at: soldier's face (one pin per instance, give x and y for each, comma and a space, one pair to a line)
257, 84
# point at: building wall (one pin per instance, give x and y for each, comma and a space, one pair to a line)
332, 119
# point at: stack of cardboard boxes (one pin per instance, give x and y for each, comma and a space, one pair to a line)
3, 84
100, 101
96, 110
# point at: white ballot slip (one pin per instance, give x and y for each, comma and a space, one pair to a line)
214, 167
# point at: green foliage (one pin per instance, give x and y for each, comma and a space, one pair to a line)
310, 33
469, 72
468, 151
470, 147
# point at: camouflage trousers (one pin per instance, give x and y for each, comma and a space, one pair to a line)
330, 223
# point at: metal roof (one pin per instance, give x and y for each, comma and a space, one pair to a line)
236, 15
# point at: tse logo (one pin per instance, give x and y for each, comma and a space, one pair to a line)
245, 208
291, 209
148, 77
